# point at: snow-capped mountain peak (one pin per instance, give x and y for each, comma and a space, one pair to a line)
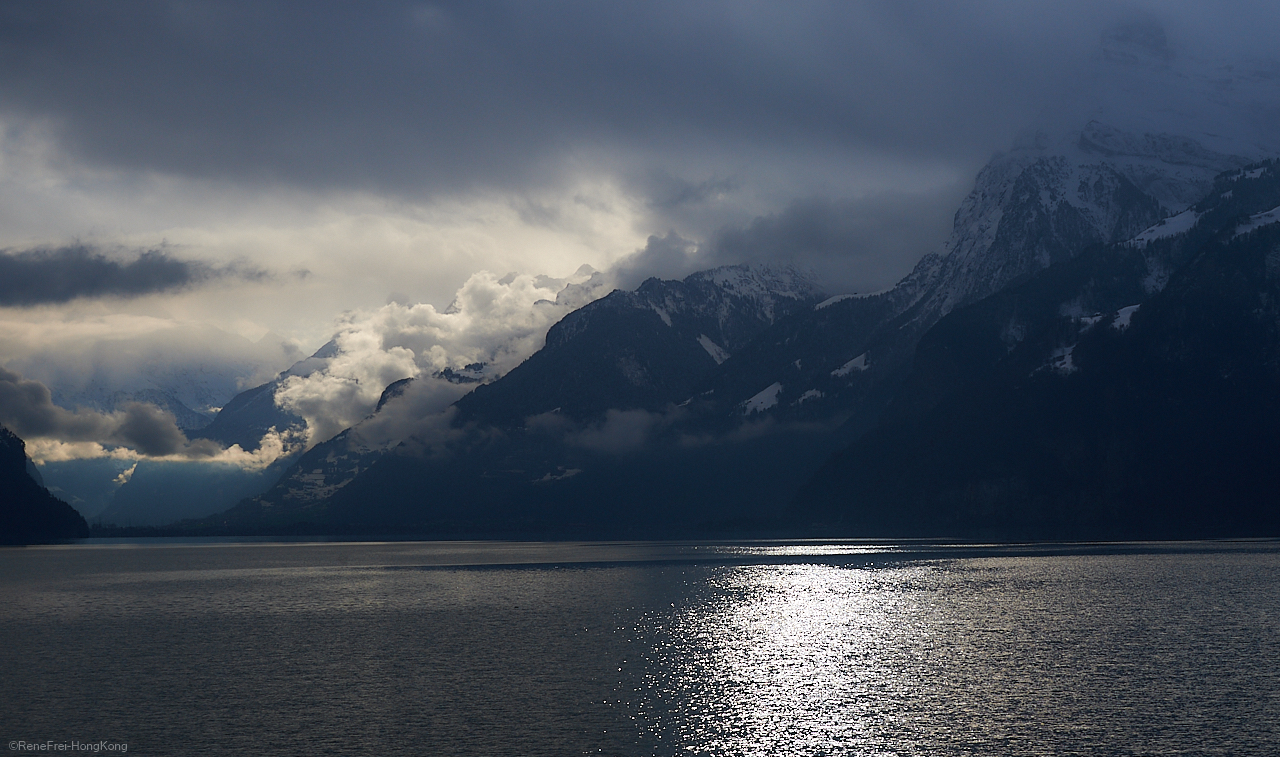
761, 281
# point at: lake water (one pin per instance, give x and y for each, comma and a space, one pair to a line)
643, 648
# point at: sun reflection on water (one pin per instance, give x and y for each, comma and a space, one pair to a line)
780, 660
804, 549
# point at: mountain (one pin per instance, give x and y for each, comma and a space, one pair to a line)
249, 415
28, 512
300, 493
642, 350
160, 492
485, 346
686, 404
188, 370
187, 419
606, 376
1040, 204
1128, 393
156, 493
86, 485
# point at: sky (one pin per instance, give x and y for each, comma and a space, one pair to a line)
213, 190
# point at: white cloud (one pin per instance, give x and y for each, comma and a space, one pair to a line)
328, 250
274, 446
494, 321
422, 416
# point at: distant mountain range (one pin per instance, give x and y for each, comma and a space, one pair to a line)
1100, 313
1089, 355
606, 378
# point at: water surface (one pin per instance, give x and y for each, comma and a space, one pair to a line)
644, 648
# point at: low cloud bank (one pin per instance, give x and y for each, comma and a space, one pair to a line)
135, 430
422, 412
623, 431
27, 408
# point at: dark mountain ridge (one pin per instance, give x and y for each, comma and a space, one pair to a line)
1091, 401
641, 350
28, 512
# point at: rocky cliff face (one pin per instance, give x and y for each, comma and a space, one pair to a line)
1043, 203
28, 512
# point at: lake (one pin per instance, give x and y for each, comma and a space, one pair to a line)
493, 648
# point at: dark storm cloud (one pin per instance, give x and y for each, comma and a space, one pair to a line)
705, 113
667, 256
38, 277
415, 96
853, 245
667, 192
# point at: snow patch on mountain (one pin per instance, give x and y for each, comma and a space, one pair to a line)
1053, 196
716, 352
762, 400
833, 300
1061, 361
761, 281
1123, 316
1171, 226
561, 474
1259, 220
761, 284
859, 364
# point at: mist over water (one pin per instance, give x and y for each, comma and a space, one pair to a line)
642, 649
